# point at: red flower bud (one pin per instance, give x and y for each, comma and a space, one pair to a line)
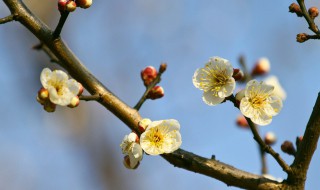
313, 12
270, 138
237, 74
302, 37
242, 122
155, 93
62, 5
287, 147
84, 3
261, 67
71, 6
148, 74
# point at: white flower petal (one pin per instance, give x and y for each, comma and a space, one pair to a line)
196, 79
73, 86
211, 99
44, 77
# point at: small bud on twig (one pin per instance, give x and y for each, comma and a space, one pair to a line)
287, 147
295, 8
155, 93
313, 12
270, 138
261, 67
242, 122
84, 3
148, 74
237, 74
302, 37
163, 67
71, 6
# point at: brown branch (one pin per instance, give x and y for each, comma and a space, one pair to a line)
307, 147
95, 97
62, 20
130, 116
7, 19
43, 47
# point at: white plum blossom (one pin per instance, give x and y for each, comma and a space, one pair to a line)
260, 104
132, 148
215, 79
161, 137
61, 89
278, 90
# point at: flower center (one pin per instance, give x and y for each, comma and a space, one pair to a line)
258, 101
58, 86
214, 79
156, 137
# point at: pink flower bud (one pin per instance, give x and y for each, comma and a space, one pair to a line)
155, 93
75, 101
143, 124
43, 94
71, 6
49, 106
62, 5
242, 122
270, 138
261, 67
148, 74
295, 8
302, 37
84, 3
80, 89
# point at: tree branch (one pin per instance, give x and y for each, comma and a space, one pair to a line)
7, 19
307, 147
312, 26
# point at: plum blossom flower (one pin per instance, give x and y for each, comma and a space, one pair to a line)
61, 89
278, 90
260, 104
215, 79
130, 146
161, 137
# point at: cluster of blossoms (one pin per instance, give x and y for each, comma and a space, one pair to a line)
258, 101
58, 89
148, 75
71, 5
159, 137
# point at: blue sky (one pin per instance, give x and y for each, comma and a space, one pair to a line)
115, 40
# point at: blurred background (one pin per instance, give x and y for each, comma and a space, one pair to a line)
79, 148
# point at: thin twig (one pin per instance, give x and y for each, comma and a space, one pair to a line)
149, 87
45, 48
7, 19
95, 97
312, 26
262, 144
63, 18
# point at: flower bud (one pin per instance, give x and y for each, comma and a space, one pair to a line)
240, 95
295, 8
143, 124
237, 74
43, 94
302, 37
287, 147
127, 163
40, 100
84, 3
155, 93
298, 141
71, 6
148, 75
163, 67
270, 138
75, 101
313, 12
242, 122
261, 67
49, 106
80, 89
62, 5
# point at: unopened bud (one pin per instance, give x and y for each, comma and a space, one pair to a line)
298, 141
242, 122
62, 5
237, 74
287, 147
80, 89
84, 3
49, 106
261, 67
240, 95
43, 94
155, 93
71, 6
134, 137
295, 8
163, 67
75, 101
302, 37
143, 124
270, 138
148, 74
127, 163
313, 12
40, 100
